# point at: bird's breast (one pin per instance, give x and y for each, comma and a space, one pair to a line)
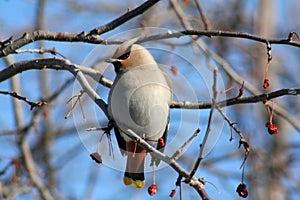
139, 100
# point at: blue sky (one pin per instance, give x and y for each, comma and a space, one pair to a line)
71, 156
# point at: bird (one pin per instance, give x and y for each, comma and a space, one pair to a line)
138, 101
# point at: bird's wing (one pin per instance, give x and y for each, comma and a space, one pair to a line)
168, 80
120, 140
159, 145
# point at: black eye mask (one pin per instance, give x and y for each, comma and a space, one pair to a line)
117, 64
126, 54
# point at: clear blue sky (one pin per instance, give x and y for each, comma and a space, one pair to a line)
17, 17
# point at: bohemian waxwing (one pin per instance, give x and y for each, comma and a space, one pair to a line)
138, 100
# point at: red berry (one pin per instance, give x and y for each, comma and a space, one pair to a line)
242, 190
45, 115
15, 179
174, 70
266, 83
161, 142
152, 189
172, 194
96, 157
272, 128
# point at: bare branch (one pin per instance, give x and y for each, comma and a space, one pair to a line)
61, 64
28, 38
58, 64
231, 124
124, 18
213, 105
95, 39
92, 36
220, 33
180, 149
40, 51
77, 96
194, 182
205, 21
31, 103
32, 171
280, 111
236, 100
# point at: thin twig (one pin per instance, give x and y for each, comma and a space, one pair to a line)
96, 129
205, 21
202, 146
180, 149
77, 96
40, 51
81, 108
58, 64
232, 126
124, 18
31, 103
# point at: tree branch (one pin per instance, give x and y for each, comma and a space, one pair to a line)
58, 64
236, 100
31, 168
205, 21
124, 18
11, 46
31, 103
280, 110
196, 183
202, 145
220, 33
93, 36
62, 64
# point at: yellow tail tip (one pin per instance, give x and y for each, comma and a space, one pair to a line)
135, 183
138, 184
127, 181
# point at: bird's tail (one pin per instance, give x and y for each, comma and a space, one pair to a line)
134, 173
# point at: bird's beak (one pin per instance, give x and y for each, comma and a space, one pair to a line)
111, 60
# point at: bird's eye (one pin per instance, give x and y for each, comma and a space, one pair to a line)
124, 56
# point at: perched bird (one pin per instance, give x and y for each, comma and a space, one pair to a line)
138, 100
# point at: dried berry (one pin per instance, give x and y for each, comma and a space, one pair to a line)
152, 189
172, 194
242, 190
96, 157
241, 92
